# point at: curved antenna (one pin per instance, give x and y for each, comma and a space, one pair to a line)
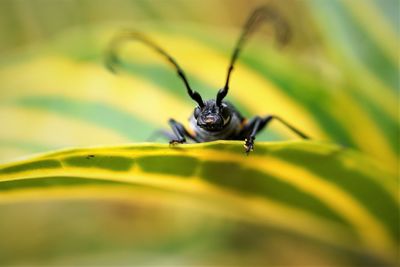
261, 14
112, 58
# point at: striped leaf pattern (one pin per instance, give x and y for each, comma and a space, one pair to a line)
324, 189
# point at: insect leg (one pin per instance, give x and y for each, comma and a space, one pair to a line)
291, 127
250, 131
180, 132
256, 124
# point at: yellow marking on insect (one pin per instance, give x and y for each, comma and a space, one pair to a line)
191, 131
243, 123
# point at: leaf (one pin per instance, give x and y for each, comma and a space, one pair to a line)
317, 194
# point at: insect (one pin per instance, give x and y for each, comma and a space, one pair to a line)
216, 119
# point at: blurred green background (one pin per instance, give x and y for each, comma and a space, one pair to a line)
337, 80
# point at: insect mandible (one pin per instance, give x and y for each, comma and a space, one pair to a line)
216, 119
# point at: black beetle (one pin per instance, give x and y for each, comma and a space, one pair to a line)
215, 119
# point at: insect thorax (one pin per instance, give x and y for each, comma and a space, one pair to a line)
227, 133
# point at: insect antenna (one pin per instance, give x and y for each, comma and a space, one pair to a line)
112, 58
261, 14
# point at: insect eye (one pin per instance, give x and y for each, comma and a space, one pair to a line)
196, 112
225, 112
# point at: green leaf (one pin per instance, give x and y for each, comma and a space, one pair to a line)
201, 204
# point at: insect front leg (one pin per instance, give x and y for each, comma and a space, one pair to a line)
180, 132
257, 124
